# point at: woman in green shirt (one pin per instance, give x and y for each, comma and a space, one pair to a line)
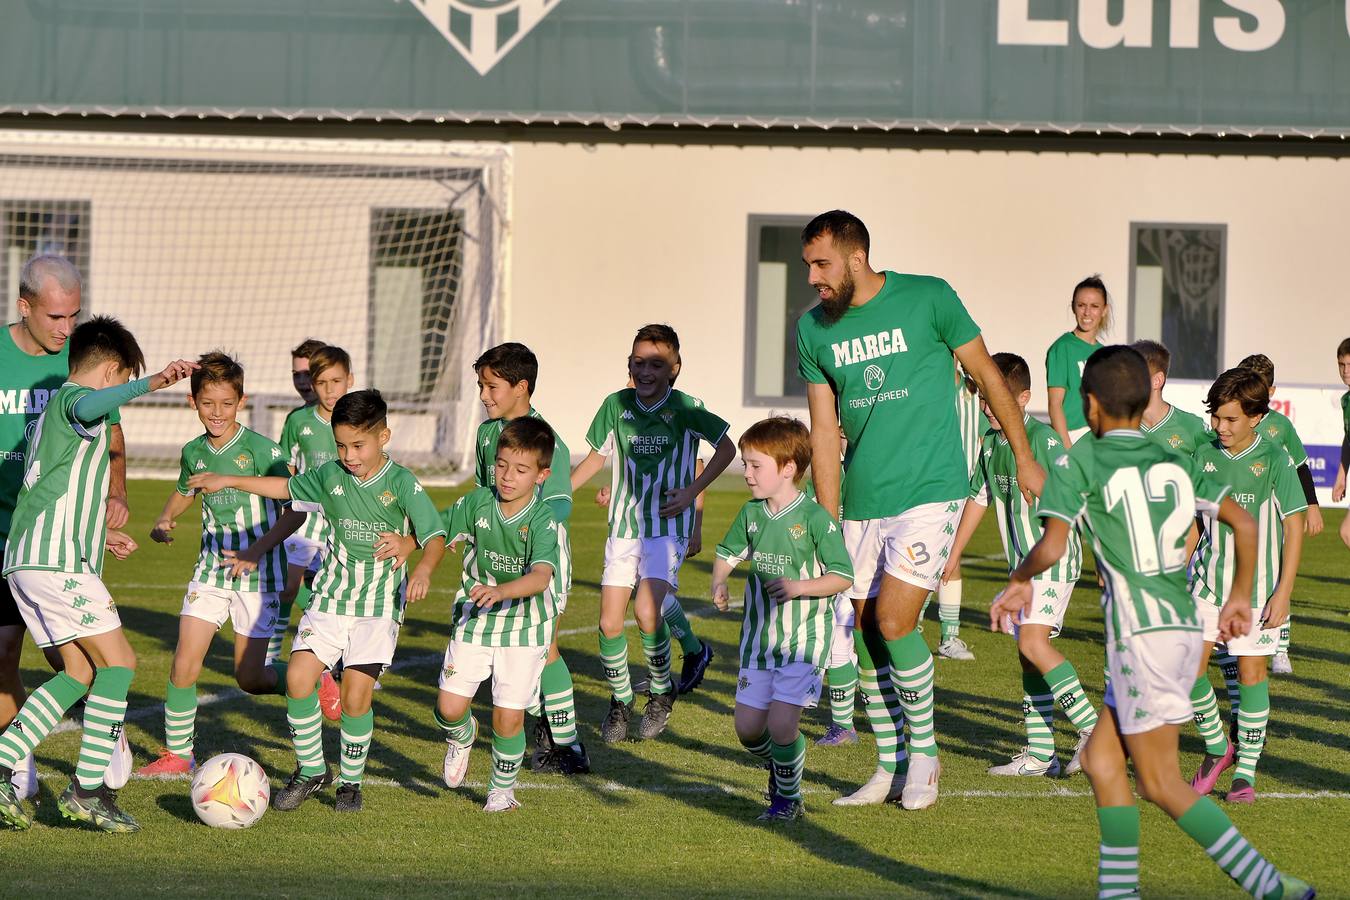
1064, 362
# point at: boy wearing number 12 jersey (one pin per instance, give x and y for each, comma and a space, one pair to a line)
1138, 501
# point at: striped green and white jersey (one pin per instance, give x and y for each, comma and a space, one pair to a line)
307, 440
351, 581
1263, 480
1276, 428
1180, 431
231, 519
1019, 523
58, 523
801, 541
970, 418
499, 549
1138, 500
556, 490
654, 449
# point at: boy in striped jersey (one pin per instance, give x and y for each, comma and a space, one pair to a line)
54, 563
507, 376
1263, 480
515, 576
1048, 678
799, 565
1138, 500
653, 432
231, 520
1163, 423
368, 501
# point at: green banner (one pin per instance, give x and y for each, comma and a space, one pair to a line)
1174, 66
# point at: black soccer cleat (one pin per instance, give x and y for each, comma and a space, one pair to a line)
656, 716
543, 743
300, 788
694, 668
573, 760
348, 797
615, 727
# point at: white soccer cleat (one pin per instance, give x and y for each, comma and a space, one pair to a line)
921, 787
118, 773
1076, 764
1024, 764
954, 648
25, 778
501, 800
457, 759
882, 787
1280, 664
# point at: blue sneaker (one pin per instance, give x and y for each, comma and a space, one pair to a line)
836, 735
781, 809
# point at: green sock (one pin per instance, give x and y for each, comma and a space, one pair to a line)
1210, 828
302, 597
1118, 859
1207, 720
180, 718
789, 760
1283, 646
912, 671
923, 611
560, 702
1252, 718
280, 668
1229, 667
104, 713
506, 756
678, 623
949, 609
656, 647
614, 659
305, 720
461, 730
279, 628
356, 734
1069, 696
1038, 707
843, 687
761, 747
41, 712
880, 702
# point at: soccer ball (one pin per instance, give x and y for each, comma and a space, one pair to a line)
230, 791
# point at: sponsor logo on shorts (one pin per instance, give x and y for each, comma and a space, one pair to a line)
448, 672
387, 498
1047, 610
1265, 639
192, 597
1052, 593
796, 531
306, 633
80, 602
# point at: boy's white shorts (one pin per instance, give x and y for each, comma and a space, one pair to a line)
795, 683
252, 614
356, 640
59, 607
515, 672
1149, 682
630, 560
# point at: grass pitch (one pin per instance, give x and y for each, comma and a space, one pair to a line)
675, 816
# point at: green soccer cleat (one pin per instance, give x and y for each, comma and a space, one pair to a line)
1296, 888
98, 808
12, 813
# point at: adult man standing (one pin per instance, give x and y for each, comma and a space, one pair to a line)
33, 365
876, 354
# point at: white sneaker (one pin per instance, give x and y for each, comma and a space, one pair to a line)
118, 773
457, 759
1026, 764
921, 787
881, 788
25, 778
1076, 764
1280, 664
501, 800
954, 648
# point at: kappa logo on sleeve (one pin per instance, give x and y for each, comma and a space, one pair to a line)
276, 453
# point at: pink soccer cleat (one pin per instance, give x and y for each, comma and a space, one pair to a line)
1213, 766
168, 764
330, 697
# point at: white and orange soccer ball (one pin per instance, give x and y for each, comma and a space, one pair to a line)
230, 791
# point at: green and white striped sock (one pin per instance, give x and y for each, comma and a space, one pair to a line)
881, 703
278, 637
656, 647
678, 623
357, 732
789, 760
1228, 665
40, 714
104, 714
305, 721
843, 688
1283, 646
1207, 719
560, 702
761, 747
507, 752
461, 730
614, 659
1210, 828
1069, 696
180, 718
1038, 709
1118, 862
912, 672
949, 609
1252, 718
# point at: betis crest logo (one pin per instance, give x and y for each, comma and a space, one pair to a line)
241, 460
1174, 441
524, 532
484, 31
797, 531
1258, 468
387, 498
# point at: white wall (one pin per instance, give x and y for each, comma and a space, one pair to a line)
606, 238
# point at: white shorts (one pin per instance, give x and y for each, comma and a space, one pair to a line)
796, 683
1149, 683
302, 552
515, 672
1257, 642
356, 640
59, 607
1049, 603
1077, 433
912, 546
630, 560
252, 614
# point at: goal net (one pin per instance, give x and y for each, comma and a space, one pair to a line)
390, 250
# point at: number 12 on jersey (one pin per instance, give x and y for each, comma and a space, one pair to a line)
1157, 547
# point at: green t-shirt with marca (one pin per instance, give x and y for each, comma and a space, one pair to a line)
1064, 364
889, 363
1180, 431
26, 384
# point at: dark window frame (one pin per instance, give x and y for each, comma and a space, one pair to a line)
1222, 228
756, 222
83, 210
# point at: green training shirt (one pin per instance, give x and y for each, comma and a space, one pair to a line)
351, 581
889, 363
1064, 363
307, 440
231, 519
1276, 428
497, 550
801, 541
26, 384
556, 490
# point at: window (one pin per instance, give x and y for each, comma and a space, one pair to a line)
1177, 293
30, 228
776, 296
